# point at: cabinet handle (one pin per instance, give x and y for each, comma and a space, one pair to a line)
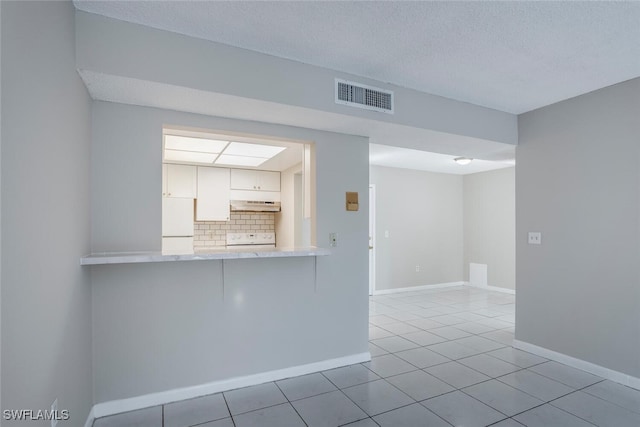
164, 194
169, 193
259, 187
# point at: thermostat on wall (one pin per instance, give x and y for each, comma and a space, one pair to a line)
352, 201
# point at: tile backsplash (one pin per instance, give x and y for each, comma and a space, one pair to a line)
214, 233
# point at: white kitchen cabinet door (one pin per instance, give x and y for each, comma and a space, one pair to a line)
180, 181
243, 179
212, 202
177, 217
255, 180
268, 181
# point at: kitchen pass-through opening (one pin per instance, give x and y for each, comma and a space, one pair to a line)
224, 190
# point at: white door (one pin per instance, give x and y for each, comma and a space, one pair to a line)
372, 239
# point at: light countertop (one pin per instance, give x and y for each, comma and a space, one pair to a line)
199, 255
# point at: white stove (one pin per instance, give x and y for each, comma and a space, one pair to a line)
251, 240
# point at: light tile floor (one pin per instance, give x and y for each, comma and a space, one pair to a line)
441, 357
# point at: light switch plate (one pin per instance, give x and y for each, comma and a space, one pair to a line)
535, 238
333, 239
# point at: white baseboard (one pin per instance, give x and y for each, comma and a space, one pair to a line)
442, 285
493, 288
90, 419
583, 365
113, 407
417, 288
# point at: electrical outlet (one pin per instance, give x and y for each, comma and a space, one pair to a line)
333, 239
54, 412
386, 233
417, 268
535, 238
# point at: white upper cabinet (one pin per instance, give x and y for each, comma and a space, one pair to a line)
212, 202
179, 181
268, 181
244, 179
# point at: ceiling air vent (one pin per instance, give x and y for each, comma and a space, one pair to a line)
363, 96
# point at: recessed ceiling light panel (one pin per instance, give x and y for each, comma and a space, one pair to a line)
253, 150
185, 143
189, 156
227, 159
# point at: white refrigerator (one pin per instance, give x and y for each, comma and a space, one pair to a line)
177, 224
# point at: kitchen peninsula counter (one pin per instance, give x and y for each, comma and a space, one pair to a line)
200, 255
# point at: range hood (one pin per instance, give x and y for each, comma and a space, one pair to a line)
254, 206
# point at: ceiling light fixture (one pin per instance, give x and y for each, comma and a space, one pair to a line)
252, 150
246, 154
462, 160
189, 156
202, 145
233, 160
189, 149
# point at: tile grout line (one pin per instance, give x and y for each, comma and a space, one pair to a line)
291, 402
575, 391
233, 421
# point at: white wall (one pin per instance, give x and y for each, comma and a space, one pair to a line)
46, 297
423, 212
1, 207
489, 225
578, 182
161, 326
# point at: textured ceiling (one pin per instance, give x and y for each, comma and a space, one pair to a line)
510, 56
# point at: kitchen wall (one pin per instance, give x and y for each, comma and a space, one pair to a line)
203, 322
423, 214
214, 233
46, 294
578, 182
490, 225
